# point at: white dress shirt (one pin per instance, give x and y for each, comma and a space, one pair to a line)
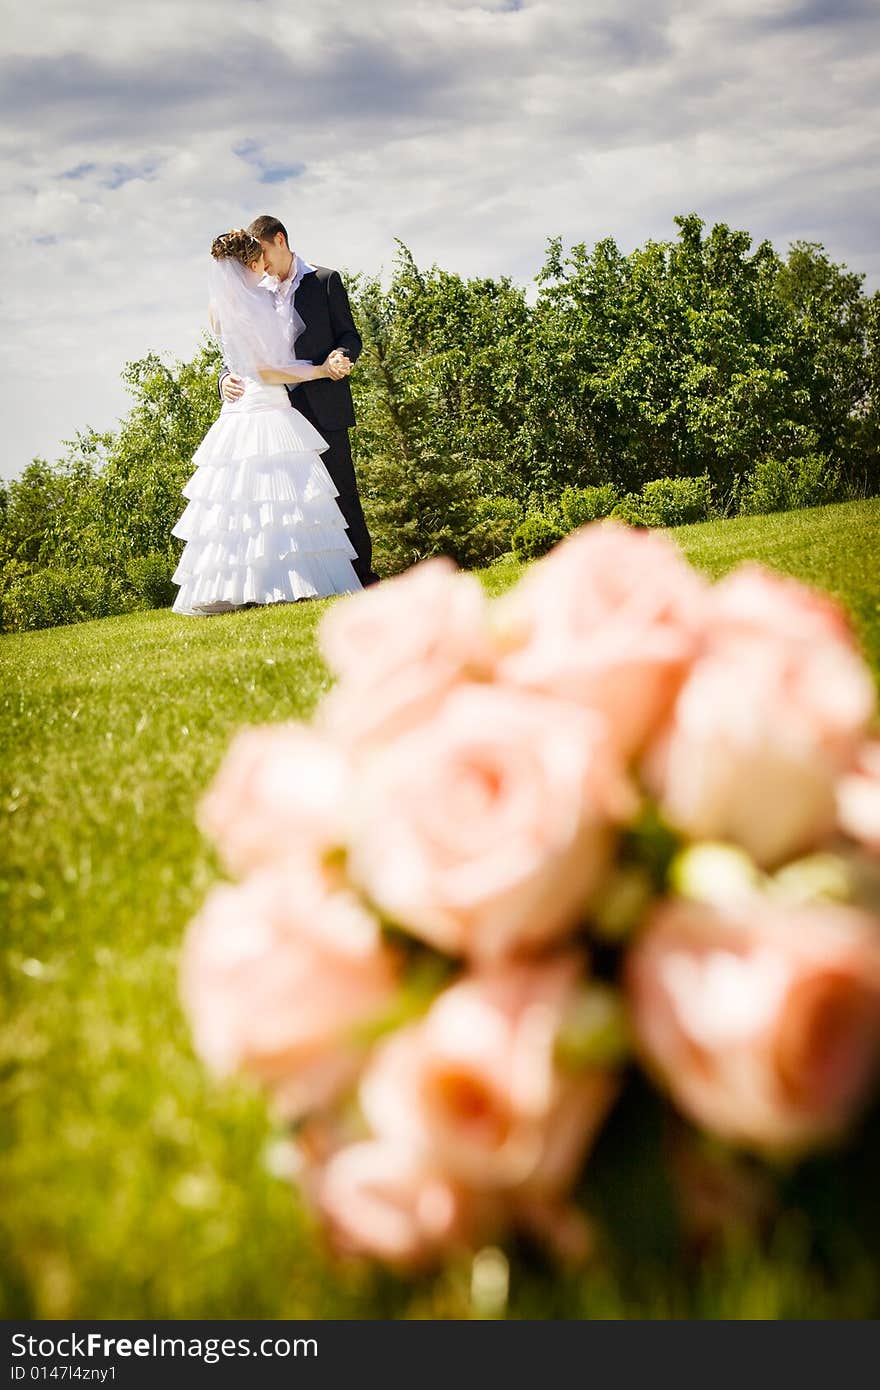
283, 292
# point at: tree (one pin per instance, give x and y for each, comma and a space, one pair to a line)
439, 396
831, 351
138, 492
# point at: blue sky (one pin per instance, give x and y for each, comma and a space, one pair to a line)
132, 135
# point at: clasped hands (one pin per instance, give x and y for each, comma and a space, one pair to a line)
338, 364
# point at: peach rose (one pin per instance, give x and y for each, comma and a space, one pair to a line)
758, 736
753, 601
279, 789
487, 830
858, 798
475, 1088
387, 1202
277, 974
398, 647
610, 619
763, 1022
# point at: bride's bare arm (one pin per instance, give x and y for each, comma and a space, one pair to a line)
273, 376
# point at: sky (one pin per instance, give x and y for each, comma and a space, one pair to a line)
131, 135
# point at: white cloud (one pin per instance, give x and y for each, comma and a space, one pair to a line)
131, 136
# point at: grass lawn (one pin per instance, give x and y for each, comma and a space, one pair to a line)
131, 1185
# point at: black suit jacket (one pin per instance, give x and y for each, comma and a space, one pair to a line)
322, 303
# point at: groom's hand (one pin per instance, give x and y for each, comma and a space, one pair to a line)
338, 364
231, 387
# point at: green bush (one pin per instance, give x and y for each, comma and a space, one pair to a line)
52, 597
677, 501
580, 505
536, 534
629, 510
494, 521
150, 578
10, 573
767, 489
816, 481
782, 485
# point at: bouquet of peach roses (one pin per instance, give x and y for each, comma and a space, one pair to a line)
616, 818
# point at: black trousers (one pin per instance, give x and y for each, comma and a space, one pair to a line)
338, 462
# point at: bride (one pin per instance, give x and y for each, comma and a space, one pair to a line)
261, 524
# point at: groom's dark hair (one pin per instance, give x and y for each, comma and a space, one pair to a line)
266, 228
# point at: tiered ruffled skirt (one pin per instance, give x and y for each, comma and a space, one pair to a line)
262, 524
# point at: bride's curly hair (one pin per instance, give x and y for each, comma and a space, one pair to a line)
237, 245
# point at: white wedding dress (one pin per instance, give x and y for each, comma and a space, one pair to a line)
262, 524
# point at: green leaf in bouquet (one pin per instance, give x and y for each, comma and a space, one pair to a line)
650, 842
836, 1195
622, 903
596, 1031
428, 975
627, 1186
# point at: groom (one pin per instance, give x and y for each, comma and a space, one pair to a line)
319, 297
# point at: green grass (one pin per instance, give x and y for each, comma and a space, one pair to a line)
132, 1186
